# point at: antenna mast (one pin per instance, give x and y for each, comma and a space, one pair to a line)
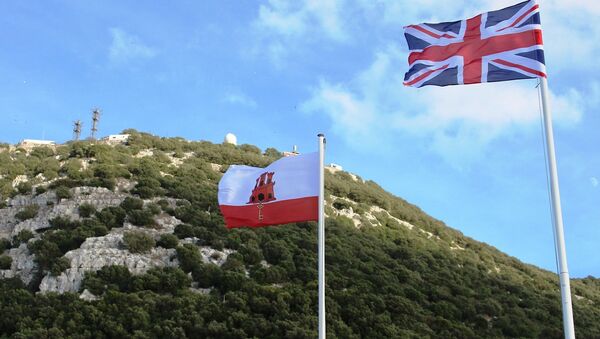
95, 119
77, 130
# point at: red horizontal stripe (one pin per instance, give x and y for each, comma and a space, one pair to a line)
273, 213
526, 69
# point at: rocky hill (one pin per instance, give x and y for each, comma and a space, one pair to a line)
127, 240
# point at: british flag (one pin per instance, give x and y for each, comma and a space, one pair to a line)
495, 46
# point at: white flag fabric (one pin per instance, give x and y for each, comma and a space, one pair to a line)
286, 191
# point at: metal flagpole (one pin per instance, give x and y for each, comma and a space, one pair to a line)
321, 240
559, 238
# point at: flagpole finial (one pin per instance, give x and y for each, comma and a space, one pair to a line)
321, 135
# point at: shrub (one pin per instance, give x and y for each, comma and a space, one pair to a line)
24, 187
22, 237
141, 218
130, 204
4, 245
111, 216
62, 192
168, 241
138, 242
29, 212
86, 210
163, 203
162, 280
189, 257
207, 275
153, 208
183, 231
40, 189
59, 266
341, 204
5, 262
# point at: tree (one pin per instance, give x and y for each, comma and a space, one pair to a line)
62, 192
138, 242
86, 210
22, 237
5, 262
59, 266
168, 241
28, 212
131, 203
24, 187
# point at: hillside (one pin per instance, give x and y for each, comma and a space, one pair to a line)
127, 240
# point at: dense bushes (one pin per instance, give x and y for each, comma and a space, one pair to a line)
383, 281
168, 241
28, 212
5, 262
86, 210
138, 242
22, 237
66, 234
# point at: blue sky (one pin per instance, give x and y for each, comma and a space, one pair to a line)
277, 72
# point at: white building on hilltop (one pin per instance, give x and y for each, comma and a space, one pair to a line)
116, 139
334, 167
230, 138
32, 143
294, 152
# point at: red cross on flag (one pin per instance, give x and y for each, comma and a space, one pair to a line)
284, 192
495, 46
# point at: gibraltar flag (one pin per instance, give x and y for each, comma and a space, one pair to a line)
286, 191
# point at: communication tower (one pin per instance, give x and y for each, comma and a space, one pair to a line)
77, 130
95, 119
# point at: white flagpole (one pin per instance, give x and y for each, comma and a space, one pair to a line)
321, 240
559, 238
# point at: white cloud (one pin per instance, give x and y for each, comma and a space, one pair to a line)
294, 18
125, 47
453, 121
240, 99
283, 26
570, 27
594, 181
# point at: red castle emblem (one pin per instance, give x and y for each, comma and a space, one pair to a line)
263, 190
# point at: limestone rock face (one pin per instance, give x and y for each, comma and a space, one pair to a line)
50, 208
95, 252
98, 252
23, 264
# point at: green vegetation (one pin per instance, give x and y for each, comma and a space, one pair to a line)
168, 241
22, 237
86, 210
24, 187
29, 212
62, 192
4, 244
5, 262
138, 242
384, 281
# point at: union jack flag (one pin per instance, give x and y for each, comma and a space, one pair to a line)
495, 46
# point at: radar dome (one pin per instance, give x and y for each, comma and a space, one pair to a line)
230, 138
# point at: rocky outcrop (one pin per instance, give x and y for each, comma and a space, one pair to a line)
109, 250
95, 252
23, 264
98, 252
50, 208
